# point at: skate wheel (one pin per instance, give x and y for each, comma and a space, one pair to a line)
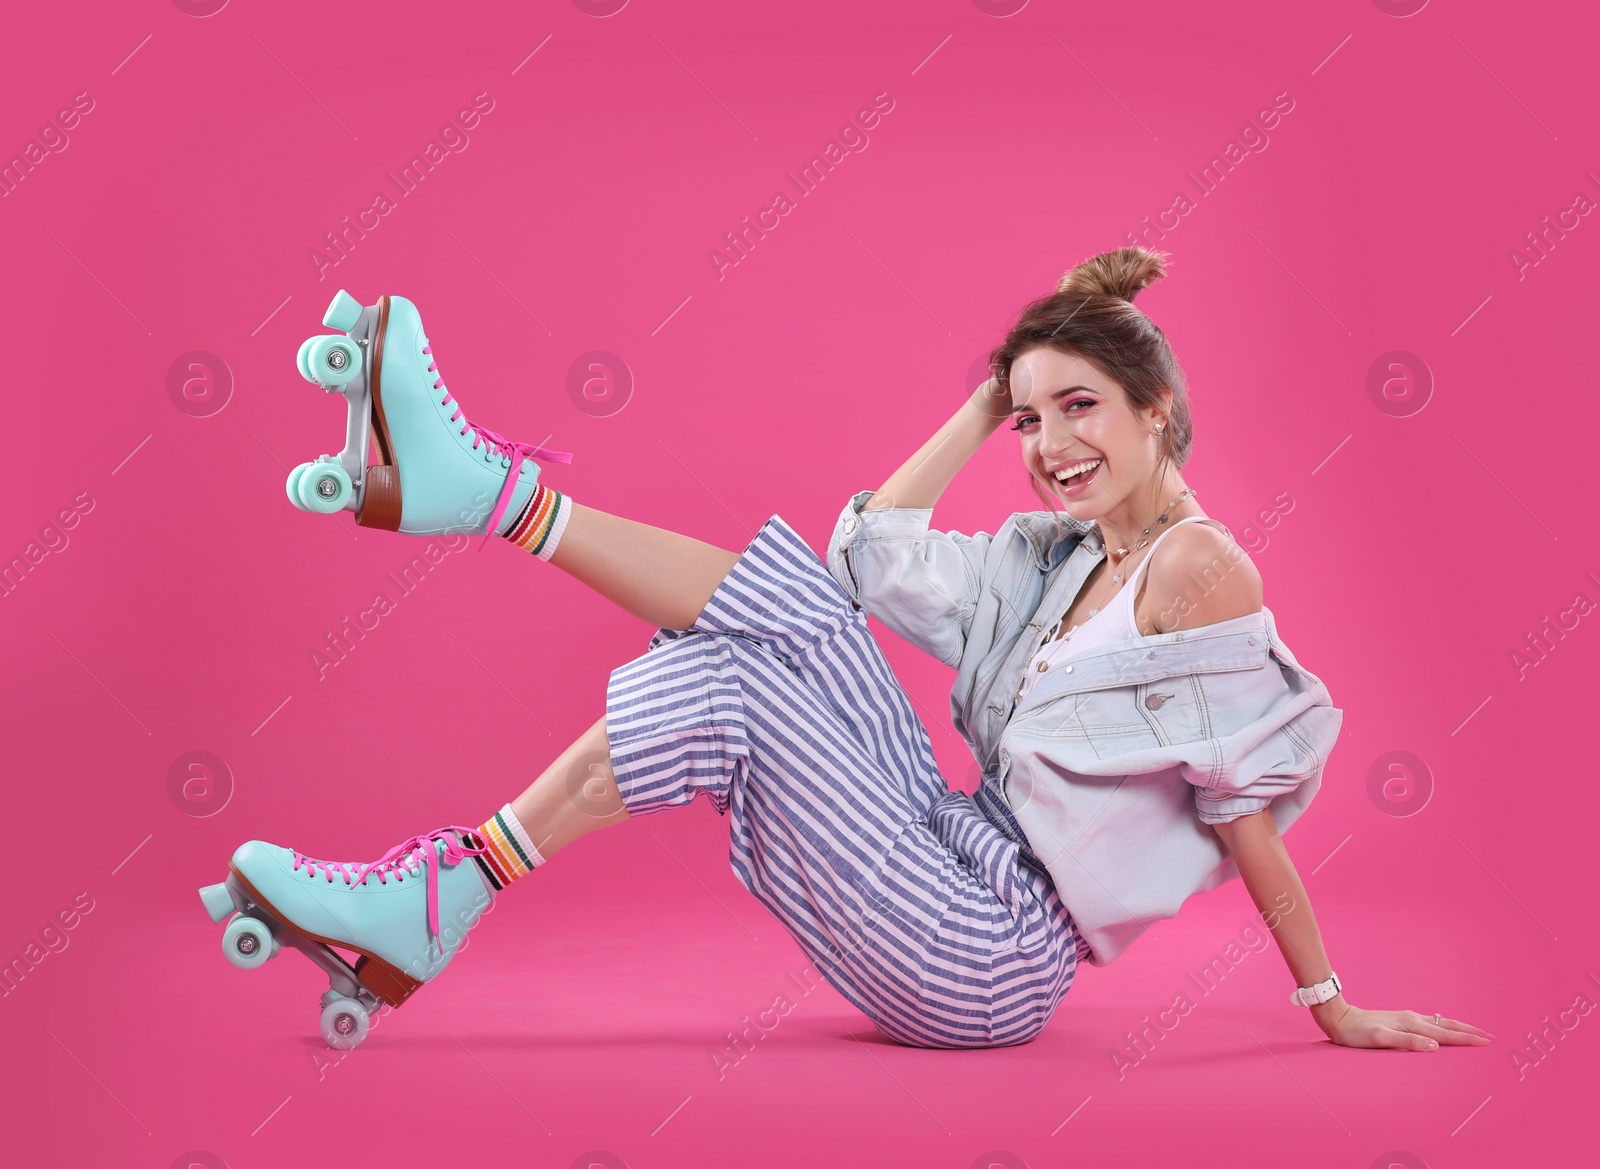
343, 312
333, 361
325, 487
247, 942
301, 361
344, 1023
293, 485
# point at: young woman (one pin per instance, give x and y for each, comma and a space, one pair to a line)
1142, 728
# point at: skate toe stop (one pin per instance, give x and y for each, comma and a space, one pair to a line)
218, 902
343, 312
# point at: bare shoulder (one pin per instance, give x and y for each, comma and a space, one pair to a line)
1201, 577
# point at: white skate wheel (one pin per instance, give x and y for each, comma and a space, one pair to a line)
247, 942
344, 1023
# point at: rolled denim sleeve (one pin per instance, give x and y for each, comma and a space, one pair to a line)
923, 584
1220, 807
1271, 757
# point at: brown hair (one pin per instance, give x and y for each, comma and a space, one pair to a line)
1091, 315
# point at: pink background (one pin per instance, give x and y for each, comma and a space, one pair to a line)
1379, 215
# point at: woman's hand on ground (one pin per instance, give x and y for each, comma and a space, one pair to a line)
1350, 1026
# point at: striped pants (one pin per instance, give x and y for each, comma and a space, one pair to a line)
778, 705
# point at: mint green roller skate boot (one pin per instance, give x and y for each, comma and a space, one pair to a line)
437, 473
405, 915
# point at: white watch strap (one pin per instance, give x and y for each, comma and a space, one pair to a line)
1310, 996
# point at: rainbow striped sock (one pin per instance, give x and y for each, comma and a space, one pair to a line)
538, 528
511, 852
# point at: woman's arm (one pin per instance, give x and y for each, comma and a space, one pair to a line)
923, 477
1253, 842
922, 583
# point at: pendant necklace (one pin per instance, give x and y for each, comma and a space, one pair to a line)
1122, 554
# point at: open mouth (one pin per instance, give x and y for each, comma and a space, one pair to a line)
1075, 483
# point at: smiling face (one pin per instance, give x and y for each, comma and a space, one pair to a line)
1072, 417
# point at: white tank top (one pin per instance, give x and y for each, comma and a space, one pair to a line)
1115, 623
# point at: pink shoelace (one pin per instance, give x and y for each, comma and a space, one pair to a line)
499, 444
395, 863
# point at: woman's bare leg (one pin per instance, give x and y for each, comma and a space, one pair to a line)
576, 794
660, 576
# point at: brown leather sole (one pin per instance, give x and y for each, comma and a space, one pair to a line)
391, 984
380, 499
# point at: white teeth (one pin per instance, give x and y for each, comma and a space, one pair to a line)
1077, 469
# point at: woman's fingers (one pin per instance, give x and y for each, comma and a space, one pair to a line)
1404, 1040
1451, 1031
1412, 1031
1455, 1031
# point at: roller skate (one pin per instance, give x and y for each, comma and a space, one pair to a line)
436, 473
388, 912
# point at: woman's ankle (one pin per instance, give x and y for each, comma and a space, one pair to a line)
538, 527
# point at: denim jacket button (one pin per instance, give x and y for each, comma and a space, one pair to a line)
1252, 641
1151, 654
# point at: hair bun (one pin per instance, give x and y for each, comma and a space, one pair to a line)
1120, 274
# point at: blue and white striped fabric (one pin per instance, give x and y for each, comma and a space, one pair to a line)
778, 705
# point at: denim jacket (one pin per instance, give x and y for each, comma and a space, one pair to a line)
1116, 763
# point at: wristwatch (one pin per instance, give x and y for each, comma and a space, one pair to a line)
1310, 996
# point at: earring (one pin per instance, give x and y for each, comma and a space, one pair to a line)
1159, 425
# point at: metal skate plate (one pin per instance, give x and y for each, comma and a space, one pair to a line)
358, 399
